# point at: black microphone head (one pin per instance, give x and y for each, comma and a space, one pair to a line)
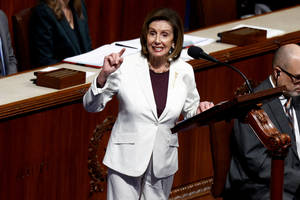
195, 52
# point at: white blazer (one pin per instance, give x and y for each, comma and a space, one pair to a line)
138, 133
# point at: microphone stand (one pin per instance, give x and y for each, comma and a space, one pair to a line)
212, 59
238, 71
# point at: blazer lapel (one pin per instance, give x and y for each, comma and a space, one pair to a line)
143, 76
296, 105
173, 75
67, 30
81, 29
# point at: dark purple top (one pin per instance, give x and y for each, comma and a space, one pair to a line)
160, 83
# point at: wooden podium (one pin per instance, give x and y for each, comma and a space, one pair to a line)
247, 107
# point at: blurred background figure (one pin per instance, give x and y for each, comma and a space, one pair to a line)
59, 29
8, 62
248, 8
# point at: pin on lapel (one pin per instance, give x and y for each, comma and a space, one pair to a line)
176, 74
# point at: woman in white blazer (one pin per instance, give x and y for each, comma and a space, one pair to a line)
153, 88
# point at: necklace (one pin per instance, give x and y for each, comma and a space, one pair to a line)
161, 69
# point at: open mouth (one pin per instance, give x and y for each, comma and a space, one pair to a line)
157, 49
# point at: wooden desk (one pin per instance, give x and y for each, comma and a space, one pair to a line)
44, 133
285, 20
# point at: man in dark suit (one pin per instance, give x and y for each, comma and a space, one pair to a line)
8, 62
250, 170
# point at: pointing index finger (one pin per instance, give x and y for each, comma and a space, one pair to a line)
121, 52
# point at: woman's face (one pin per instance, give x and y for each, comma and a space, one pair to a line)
160, 38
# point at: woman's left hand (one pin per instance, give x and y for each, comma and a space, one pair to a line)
204, 105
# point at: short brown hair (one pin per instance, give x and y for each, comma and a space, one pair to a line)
173, 18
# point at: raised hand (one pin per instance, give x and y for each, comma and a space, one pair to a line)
111, 63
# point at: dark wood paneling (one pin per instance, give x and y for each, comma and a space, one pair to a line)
109, 21
116, 20
14, 6
44, 153
206, 12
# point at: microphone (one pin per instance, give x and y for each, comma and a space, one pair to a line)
197, 53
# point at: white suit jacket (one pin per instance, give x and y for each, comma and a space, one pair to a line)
138, 133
